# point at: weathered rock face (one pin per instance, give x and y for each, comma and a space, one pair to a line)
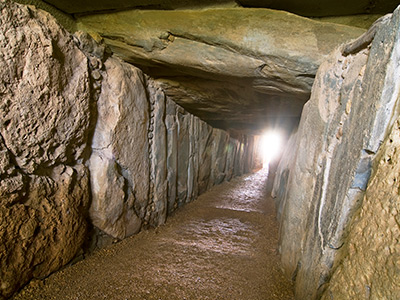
370, 267
55, 92
44, 119
234, 78
351, 109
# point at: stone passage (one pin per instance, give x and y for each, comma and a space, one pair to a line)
222, 246
91, 148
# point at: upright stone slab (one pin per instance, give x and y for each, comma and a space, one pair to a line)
172, 154
285, 166
342, 126
158, 156
45, 90
204, 150
230, 158
219, 154
369, 267
183, 119
119, 165
239, 159
193, 160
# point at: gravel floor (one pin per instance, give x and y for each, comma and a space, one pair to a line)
221, 246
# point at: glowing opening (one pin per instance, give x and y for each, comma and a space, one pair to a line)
270, 147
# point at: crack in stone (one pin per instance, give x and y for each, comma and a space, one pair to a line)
13, 159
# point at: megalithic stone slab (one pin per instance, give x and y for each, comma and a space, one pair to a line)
227, 66
119, 166
354, 99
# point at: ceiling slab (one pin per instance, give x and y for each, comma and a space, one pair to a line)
228, 66
310, 8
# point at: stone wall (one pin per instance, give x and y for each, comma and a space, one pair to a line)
321, 186
370, 267
90, 147
371, 256
150, 156
45, 116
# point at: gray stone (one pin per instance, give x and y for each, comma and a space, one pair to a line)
282, 173
249, 154
336, 145
204, 150
230, 159
159, 153
193, 160
172, 154
218, 156
239, 159
183, 119
119, 165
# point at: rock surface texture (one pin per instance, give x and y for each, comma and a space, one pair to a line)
353, 106
234, 78
45, 114
84, 143
371, 264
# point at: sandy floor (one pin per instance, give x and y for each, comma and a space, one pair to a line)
222, 246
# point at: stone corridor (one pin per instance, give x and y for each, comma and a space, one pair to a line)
221, 246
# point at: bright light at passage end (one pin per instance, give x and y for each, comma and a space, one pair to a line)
270, 146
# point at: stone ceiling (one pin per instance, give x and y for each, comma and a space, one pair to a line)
236, 68
309, 8
233, 67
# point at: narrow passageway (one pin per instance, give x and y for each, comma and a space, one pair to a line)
221, 246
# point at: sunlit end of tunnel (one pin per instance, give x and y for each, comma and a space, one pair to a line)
185, 149
270, 146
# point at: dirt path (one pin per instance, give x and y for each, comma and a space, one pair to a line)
221, 246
